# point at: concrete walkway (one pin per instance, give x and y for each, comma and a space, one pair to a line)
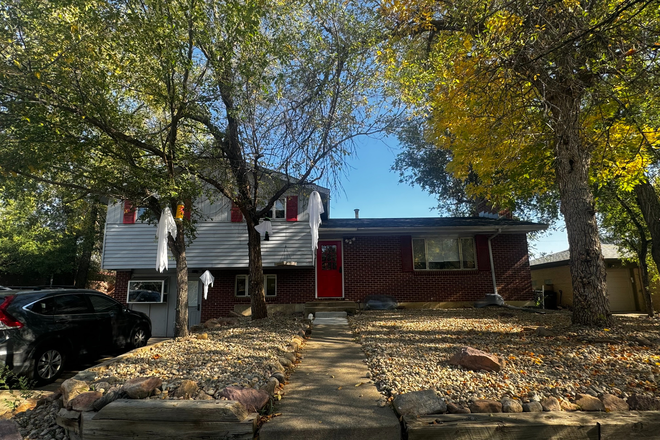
322, 400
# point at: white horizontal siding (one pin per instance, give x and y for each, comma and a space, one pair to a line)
218, 245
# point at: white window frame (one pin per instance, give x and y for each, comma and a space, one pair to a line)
246, 279
162, 292
273, 210
444, 237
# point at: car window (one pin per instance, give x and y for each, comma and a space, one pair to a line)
102, 304
44, 307
70, 304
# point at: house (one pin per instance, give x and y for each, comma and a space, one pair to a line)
624, 285
419, 261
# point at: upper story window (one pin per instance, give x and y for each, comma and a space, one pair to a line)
444, 253
278, 212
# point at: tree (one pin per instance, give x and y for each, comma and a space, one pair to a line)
295, 84
92, 95
145, 100
521, 88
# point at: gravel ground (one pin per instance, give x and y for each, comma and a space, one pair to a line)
234, 355
409, 350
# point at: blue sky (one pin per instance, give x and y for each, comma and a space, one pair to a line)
375, 190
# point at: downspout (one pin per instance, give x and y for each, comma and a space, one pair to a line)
490, 254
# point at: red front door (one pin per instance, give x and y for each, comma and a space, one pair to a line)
329, 269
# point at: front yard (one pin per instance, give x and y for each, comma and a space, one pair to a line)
409, 350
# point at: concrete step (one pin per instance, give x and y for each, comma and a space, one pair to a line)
331, 306
330, 315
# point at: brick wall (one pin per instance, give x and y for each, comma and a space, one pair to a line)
294, 286
372, 266
121, 285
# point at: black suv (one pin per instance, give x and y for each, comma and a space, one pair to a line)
41, 329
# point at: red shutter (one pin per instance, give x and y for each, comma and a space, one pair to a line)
483, 258
129, 212
406, 253
236, 214
292, 208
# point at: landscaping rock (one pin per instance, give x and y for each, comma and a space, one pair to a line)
532, 406
275, 366
202, 336
640, 402
253, 400
452, 408
203, 396
271, 386
27, 405
71, 388
290, 356
109, 397
141, 387
568, 406
544, 332
284, 362
9, 430
101, 386
485, 406
84, 401
613, 403
279, 376
589, 403
86, 376
551, 404
187, 389
511, 406
419, 403
474, 359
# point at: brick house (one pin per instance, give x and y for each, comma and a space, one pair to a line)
419, 261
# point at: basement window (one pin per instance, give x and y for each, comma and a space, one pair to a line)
243, 284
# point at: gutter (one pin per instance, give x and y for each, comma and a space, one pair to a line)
490, 254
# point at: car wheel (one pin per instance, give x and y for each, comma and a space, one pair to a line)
139, 337
48, 364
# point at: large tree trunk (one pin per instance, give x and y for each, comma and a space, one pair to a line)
590, 301
257, 295
178, 248
648, 203
87, 247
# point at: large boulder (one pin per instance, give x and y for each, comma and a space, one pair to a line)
474, 359
613, 403
187, 389
640, 402
141, 387
84, 401
511, 406
70, 388
589, 403
551, 404
252, 399
486, 406
419, 403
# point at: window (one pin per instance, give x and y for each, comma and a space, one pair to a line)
44, 307
444, 253
146, 291
278, 211
103, 304
242, 285
71, 304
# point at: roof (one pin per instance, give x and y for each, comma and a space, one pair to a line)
610, 252
476, 224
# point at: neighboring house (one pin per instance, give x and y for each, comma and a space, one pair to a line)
418, 261
623, 279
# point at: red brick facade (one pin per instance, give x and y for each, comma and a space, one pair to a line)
373, 265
